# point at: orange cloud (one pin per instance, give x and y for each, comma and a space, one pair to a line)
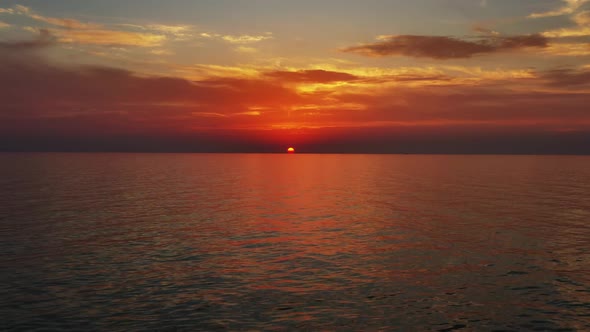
311, 76
109, 37
581, 29
569, 7
178, 32
61, 22
246, 39
237, 39
246, 50
74, 31
569, 49
362, 104
67, 23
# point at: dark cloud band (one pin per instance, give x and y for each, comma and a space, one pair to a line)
441, 47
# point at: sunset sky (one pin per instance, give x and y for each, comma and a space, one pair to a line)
421, 76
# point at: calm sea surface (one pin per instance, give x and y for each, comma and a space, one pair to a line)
299, 242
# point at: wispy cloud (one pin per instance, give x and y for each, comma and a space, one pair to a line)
246, 50
237, 39
569, 7
66, 23
43, 40
16, 9
68, 30
109, 37
61, 22
581, 29
178, 32
485, 31
311, 76
246, 39
4, 25
161, 52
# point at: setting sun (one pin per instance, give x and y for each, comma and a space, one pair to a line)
290, 150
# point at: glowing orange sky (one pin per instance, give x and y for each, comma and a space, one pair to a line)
474, 77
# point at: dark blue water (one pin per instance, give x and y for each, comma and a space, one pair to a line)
303, 242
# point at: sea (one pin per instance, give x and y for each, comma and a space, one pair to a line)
302, 242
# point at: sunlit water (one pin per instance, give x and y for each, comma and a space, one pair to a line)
274, 242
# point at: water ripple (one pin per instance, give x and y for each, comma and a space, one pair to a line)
305, 242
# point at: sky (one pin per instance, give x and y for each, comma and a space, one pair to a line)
343, 76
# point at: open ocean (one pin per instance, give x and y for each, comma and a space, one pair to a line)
294, 242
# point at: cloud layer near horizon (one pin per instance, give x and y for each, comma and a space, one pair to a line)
41, 99
405, 93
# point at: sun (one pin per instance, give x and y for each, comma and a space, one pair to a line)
291, 150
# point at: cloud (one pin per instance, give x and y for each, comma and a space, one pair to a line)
568, 49
440, 47
237, 39
31, 89
67, 30
570, 7
4, 25
161, 52
248, 113
43, 40
246, 50
66, 23
179, 32
245, 39
485, 31
582, 18
568, 32
16, 9
581, 29
311, 76
61, 22
109, 38
568, 77
85, 105
470, 105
